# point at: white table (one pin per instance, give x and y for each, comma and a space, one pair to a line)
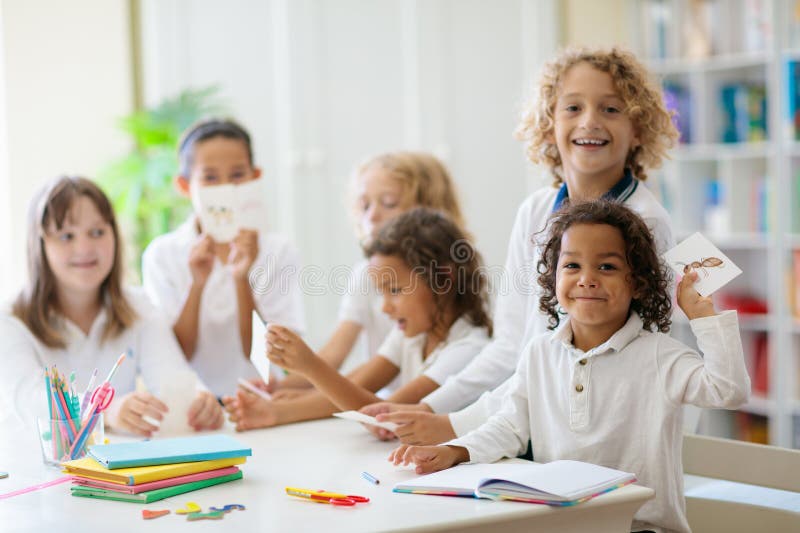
326, 454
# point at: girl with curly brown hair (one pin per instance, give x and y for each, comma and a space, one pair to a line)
604, 387
434, 291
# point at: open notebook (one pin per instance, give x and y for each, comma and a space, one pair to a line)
556, 483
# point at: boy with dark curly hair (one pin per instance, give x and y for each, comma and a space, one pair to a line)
603, 387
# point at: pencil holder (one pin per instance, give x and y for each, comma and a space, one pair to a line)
64, 440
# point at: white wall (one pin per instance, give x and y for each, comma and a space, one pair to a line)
65, 78
323, 84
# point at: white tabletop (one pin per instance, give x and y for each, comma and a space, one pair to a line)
326, 454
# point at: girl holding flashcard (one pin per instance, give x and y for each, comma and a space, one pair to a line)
74, 313
210, 275
433, 290
607, 385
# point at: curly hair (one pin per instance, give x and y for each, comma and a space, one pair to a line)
437, 249
425, 180
649, 276
644, 105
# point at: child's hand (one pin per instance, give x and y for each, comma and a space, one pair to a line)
244, 250
417, 427
205, 412
287, 350
429, 458
374, 409
136, 405
248, 411
694, 305
201, 259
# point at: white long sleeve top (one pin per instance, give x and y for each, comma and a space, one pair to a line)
517, 317
219, 358
617, 405
154, 355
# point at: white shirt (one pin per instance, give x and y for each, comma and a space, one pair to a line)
628, 414
463, 342
362, 304
517, 317
219, 359
155, 356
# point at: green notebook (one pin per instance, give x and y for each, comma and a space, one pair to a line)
151, 495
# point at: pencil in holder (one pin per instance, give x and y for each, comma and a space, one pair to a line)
67, 439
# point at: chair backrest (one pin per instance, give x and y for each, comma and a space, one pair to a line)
742, 462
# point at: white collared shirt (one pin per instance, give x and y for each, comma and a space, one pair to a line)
219, 359
154, 355
362, 304
517, 317
463, 342
617, 405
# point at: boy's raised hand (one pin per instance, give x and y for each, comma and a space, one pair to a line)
286, 349
690, 301
244, 250
201, 259
429, 458
205, 412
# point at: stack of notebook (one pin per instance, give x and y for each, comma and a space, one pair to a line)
149, 471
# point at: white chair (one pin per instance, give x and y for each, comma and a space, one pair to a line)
742, 462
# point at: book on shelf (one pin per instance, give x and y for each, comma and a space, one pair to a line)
657, 22
791, 96
795, 296
760, 375
751, 427
743, 112
677, 100
559, 483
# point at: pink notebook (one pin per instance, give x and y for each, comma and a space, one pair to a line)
169, 482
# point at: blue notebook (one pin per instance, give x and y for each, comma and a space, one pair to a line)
168, 451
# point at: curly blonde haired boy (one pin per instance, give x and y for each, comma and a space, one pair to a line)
644, 106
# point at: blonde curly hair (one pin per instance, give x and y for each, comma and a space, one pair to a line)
644, 105
426, 182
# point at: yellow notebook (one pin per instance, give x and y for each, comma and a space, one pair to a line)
89, 468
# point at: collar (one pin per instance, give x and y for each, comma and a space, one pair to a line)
618, 341
460, 329
73, 332
620, 192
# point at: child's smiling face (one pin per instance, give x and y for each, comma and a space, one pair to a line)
81, 253
407, 299
593, 280
592, 132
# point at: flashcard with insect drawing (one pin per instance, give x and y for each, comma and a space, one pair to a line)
714, 269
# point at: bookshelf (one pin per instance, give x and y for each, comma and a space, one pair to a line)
731, 70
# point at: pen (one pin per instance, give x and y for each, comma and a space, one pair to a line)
255, 390
369, 477
88, 392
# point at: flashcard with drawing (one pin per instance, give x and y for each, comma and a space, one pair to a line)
714, 269
215, 206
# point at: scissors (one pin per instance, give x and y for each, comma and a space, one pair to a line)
332, 498
101, 399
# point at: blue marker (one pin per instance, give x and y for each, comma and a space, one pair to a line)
369, 477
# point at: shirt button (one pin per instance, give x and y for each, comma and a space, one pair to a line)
582, 362
579, 387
